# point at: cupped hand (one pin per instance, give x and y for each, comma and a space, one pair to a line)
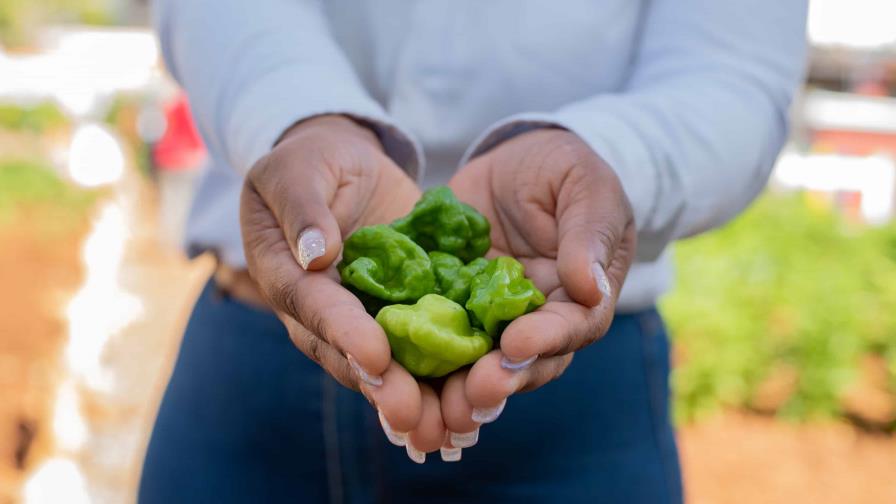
326, 177
555, 205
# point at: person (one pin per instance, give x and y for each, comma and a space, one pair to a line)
592, 134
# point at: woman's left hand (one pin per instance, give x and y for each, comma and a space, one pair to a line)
555, 205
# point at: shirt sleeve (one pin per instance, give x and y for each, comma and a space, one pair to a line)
254, 68
695, 131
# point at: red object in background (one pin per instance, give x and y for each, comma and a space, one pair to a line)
180, 147
856, 143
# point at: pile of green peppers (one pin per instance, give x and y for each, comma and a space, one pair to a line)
425, 278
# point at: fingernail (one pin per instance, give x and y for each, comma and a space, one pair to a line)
415, 454
450, 454
602, 281
311, 246
517, 365
464, 439
366, 377
488, 415
396, 438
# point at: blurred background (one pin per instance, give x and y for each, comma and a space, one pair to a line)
784, 321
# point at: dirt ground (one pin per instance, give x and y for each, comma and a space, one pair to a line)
734, 458
743, 458
37, 276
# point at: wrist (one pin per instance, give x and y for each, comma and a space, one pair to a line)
345, 127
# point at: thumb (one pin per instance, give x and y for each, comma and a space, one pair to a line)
596, 237
297, 191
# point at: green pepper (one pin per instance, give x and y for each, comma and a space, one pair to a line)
432, 337
440, 222
453, 277
501, 293
386, 264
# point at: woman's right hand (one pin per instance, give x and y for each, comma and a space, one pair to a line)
325, 178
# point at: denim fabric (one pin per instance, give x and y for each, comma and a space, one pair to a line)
247, 418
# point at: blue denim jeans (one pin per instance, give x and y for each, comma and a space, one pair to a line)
247, 418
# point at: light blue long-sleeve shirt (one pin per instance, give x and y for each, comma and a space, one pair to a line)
685, 99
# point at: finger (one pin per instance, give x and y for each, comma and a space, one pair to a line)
314, 299
398, 400
592, 218
489, 384
457, 412
557, 328
543, 273
298, 190
430, 432
397, 397
320, 352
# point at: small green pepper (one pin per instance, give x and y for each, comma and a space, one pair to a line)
386, 264
433, 337
440, 222
453, 277
501, 293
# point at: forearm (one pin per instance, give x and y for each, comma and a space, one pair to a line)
694, 133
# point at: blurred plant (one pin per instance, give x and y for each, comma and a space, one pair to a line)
784, 289
123, 114
31, 193
36, 119
20, 18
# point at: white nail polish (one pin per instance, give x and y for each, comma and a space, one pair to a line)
311, 246
602, 281
396, 438
366, 377
450, 454
487, 415
415, 454
517, 366
464, 439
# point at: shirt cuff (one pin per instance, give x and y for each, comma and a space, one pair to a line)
624, 156
282, 98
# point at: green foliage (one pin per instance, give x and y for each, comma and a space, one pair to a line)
36, 119
19, 18
33, 192
784, 285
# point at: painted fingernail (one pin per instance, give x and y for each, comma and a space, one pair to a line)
396, 438
311, 246
464, 439
602, 281
450, 454
415, 454
372, 380
517, 365
488, 415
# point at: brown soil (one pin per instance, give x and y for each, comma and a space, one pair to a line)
740, 458
38, 274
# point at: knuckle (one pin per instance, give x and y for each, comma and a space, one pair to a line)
283, 295
572, 339
261, 167
315, 322
306, 342
607, 237
314, 349
580, 334
566, 148
338, 368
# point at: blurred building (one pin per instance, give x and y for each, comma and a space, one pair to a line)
844, 141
